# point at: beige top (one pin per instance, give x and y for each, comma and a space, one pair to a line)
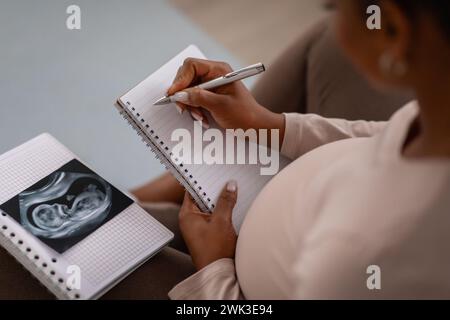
314, 230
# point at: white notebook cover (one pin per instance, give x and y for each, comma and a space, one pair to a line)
104, 257
155, 125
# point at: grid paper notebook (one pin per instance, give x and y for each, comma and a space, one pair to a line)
155, 125
41, 219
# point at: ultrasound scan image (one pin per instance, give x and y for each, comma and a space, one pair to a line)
66, 206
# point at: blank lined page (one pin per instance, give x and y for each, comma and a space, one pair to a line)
159, 122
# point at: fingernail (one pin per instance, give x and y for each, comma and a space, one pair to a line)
232, 186
179, 109
197, 116
181, 97
205, 125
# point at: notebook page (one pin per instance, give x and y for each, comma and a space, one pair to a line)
160, 122
106, 255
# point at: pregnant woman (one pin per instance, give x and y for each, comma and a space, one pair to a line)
378, 201
359, 197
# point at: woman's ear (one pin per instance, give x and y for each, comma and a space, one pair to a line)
396, 31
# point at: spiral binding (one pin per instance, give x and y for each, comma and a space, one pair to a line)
157, 147
34, 263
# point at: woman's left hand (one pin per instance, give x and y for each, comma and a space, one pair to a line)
209, 237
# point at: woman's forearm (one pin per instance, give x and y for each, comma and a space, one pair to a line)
269, 120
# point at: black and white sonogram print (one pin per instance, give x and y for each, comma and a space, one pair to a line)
66, 206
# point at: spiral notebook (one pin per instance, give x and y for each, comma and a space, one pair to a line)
75, 232
155, 125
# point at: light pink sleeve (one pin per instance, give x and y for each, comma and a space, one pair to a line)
305, 132
217, 281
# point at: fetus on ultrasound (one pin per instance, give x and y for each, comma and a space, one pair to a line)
67, 205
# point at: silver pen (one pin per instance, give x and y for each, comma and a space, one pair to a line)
233, 76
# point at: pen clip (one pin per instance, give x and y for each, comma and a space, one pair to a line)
259, 67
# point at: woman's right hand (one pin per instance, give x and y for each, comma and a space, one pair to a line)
232, 106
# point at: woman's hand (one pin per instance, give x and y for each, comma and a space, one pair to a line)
210, 237
232, 106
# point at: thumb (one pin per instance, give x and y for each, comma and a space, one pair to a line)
227, 201
196, 97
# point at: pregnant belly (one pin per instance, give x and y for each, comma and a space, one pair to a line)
268, 240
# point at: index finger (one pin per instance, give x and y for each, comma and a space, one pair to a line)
188, 202
191, 70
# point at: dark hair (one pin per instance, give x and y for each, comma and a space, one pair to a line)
440, 9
